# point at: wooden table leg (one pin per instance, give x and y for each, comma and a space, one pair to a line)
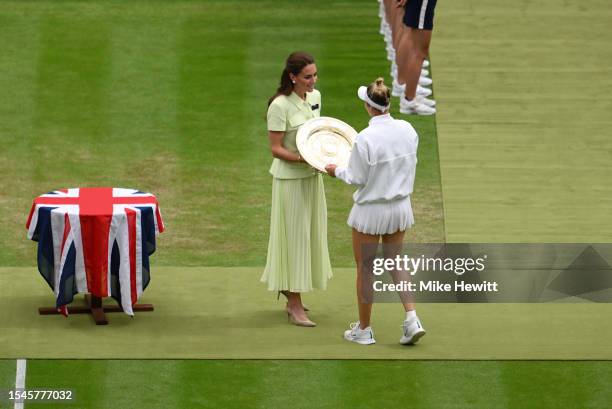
95, 308
97, 311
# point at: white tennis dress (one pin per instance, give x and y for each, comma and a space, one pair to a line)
382, 165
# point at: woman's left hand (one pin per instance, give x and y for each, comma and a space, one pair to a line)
331, 170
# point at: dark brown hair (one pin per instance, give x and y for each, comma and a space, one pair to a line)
295, 64
378, 92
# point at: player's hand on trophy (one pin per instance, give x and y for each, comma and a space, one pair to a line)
331, 170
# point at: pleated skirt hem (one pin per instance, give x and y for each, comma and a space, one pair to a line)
382, 218
298, 255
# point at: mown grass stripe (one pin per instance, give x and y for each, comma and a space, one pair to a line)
329, 384
20, 50
523, 127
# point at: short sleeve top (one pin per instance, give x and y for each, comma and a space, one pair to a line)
286, 114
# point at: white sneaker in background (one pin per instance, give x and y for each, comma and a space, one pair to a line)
421, 99
425, 81
415, 107
398, 89
413, 331
393, 71
385, 29
388, 39
422, 91
426, 101
358, 335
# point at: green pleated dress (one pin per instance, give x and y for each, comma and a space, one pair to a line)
298, 256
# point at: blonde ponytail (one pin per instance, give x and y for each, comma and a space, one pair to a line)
378, 92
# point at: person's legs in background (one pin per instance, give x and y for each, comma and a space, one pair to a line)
414, 46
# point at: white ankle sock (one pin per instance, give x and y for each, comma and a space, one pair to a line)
410, 315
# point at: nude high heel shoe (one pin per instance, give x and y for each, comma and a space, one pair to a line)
300, 323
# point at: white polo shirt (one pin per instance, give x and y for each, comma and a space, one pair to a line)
383, 161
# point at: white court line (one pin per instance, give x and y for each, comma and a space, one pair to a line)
20, 378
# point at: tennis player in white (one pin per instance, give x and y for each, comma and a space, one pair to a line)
382, 165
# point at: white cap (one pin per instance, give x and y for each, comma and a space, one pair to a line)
362, 93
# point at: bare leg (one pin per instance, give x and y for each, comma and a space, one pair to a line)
417, 42
294, 306
397, 26
364, 274
402, 54
392, 247
390, 12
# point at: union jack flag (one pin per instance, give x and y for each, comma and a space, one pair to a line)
95, 240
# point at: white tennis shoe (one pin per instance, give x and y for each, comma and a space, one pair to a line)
393, 71
413, 331
422, 91
425, 81
416, 107
358, 335
399, 89
422, 99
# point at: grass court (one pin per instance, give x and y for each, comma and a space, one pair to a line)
169, 97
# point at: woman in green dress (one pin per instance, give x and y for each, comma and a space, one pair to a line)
298, 258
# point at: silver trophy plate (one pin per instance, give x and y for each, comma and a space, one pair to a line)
325, 140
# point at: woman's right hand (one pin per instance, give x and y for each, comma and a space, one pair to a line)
331, 170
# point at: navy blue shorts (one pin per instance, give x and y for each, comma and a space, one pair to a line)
420, 14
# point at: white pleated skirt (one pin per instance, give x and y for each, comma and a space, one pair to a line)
382, 217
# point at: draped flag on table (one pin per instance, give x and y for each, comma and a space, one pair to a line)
95, 240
